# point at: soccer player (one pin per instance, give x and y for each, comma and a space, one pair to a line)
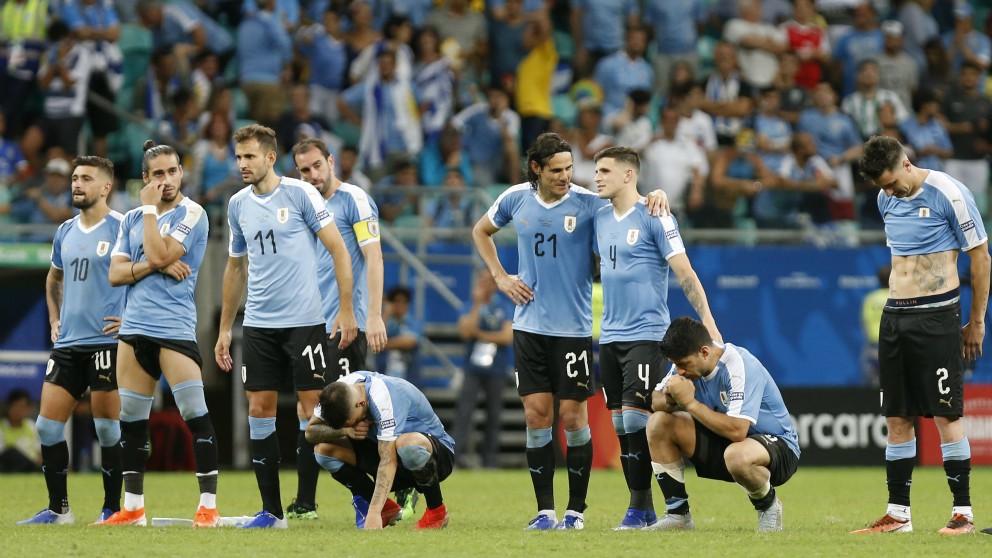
636, 251
552, 324
273, 222
158, 253
383, 426
357, 219
84, 311
719, 407
929, 216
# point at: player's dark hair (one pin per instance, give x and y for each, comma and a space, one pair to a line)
105, 165
684, 337
310, 143
335, 404
397, 291
881, 153
152, 151
546, 146
265, 136
622, 155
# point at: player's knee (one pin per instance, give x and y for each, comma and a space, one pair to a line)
737, 457
413, 456
330, 464
190, 400
50, 432
135, 406
261, 428
108, 431
618, 424
634, 421
660, 425
537, 418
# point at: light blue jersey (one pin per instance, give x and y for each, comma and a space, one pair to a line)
276, 232
941, 216
158, 305
633, 262
357, 217
397, 407
83, 256
741, 387
555, 245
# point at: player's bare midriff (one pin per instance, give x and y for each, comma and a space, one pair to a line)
923, 274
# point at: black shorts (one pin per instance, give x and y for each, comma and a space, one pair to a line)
77, 368
367, 460
629, 371
920, 362
147, 350
347, 360
558, 365
273, 357
710, 464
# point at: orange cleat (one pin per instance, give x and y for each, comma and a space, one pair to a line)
126, 517
958, 525
433, 519
886, 524
206, 517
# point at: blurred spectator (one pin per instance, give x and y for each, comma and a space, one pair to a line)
205, 77
96, 25
675, 164
487, 329
153, 91
498, 8
624, 71
287, 12
871, 319
13, 166
864, 104
632, 126
489, 132
864, 41
435, 84
920, 26
181, 27
455, 21
180, 128
214, 165
676, 30
396, 36
444, 155
728, 97
23, 30
758, 44
399, 204
532, 88
838, 141
324, 49
937, 76
926, 134
738, 174
20, 450
968, 114
597, 29
361, 33
264, 49
897, 71
804, 181
809, 42
452, 209
772, 133
773, 12
400, 357
694, 124
299, 114
965, 43
792, 98
587, 140
48, 200
415, 11
506, 42
345, 166
221, 101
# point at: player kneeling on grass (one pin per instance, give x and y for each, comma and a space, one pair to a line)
370, 424
719, 407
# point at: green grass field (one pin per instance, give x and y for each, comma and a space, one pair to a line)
488, 511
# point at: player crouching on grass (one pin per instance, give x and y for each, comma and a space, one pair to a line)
369, 424
719, 407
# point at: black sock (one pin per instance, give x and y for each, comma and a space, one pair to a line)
639, 470
765, 502
899, 478
134, 455
433, 496
674, 492
307, 471
265, 460
541, 462
110, 456
579, 462
355, 480
205, 452
958, 474
55, 464
624, 448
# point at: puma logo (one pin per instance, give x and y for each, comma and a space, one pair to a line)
209, 440
945, 401
583, 384
259, 461
106, 377
955, 478
643, 396
636, 456
318, 376
106, 471
536, 471
576, 472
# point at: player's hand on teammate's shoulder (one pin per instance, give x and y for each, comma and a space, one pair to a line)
657, 202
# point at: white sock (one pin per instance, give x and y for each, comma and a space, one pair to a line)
899, 512
760, 492
675, 470
549, 513
208, 500
965, 511
133, 502
575, 514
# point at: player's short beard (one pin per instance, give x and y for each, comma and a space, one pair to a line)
86, 203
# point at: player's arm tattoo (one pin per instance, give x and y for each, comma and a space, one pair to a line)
319, 433
387, 465
930, 272
694, 294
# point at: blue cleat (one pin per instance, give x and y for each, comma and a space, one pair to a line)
391, 512
543, 522
572, 522
265, 520
48, 517
636, 519
105, 514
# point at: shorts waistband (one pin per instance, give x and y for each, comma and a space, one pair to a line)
929, 301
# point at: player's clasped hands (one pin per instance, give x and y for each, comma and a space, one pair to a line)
178, 270
681, 390
513, 287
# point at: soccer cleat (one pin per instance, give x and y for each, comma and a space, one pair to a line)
298, 510
542, 522
391, 512
105, 514
987, 531
572, 522
958, 525
125, 517
672, 522
206, 517
771, 519
433, 519
887, 524
48, 517
407, 499
636, 519
265, 520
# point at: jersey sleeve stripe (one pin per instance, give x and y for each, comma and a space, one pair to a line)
965, 211
738, 382
379, 394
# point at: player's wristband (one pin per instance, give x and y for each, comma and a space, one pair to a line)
149, 210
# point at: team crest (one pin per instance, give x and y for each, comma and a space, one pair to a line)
164, 229
374, 228
924, 212
102, 247
569, 223
282, 214
632, 235
723, 398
